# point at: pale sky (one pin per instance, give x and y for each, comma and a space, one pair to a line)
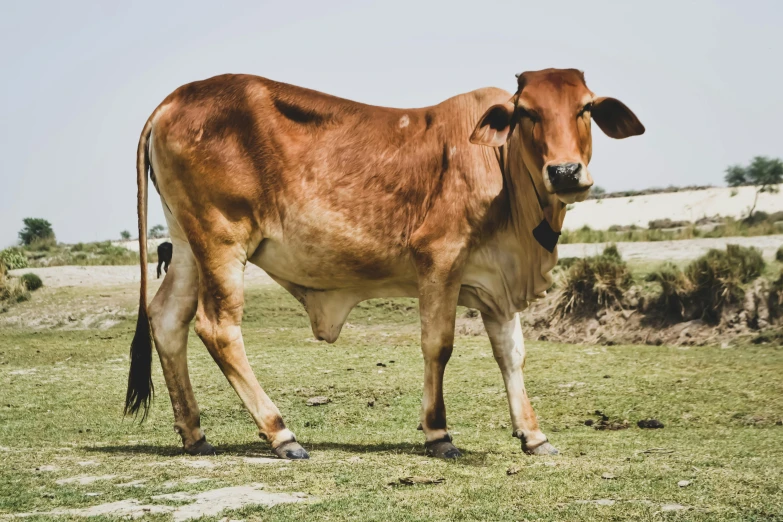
79, 79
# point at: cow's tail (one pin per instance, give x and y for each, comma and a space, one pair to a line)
140, 389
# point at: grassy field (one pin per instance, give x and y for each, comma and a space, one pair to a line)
61, 395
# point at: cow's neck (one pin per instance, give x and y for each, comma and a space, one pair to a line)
520, 266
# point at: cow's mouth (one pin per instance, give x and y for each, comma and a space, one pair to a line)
573, 195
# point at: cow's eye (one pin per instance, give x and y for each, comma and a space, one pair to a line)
524, 113
586, 108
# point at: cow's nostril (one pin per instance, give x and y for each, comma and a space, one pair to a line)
564, 175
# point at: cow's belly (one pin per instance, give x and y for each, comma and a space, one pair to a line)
320, 266
329, 283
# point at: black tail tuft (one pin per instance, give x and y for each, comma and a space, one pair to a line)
140, 389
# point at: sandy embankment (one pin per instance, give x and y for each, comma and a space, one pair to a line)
600, 214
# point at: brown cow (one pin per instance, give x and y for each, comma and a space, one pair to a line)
459, 203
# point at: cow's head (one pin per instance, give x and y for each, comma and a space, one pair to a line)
551, 113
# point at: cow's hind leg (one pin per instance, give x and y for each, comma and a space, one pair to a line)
171, 311
218, 323
508, 346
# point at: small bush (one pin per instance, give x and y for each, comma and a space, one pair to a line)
594, 282
31, 281
43, 244
779, 254
709, 283
612, 252
13, 258
13, 290
676, 290
776, 296
718, 277
666, 223
567, 262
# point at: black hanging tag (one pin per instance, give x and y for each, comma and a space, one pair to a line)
545, 236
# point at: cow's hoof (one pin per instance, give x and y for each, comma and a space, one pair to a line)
542, 449
291, 451
202, 448
442, 449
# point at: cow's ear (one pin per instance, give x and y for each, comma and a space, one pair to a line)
494, 126
616, 119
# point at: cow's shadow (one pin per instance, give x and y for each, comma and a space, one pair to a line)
256, 449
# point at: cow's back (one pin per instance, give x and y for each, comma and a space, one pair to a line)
332, 189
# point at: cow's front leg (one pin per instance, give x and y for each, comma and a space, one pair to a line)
438, 308
508, 346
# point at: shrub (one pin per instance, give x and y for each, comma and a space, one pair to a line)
709, 283
125, 235
676, 290
35, 229
779, 254
612, 252
594, 282
13, 258
31, 281
157, 231
666, 223
12, 289
43, 244
567, 262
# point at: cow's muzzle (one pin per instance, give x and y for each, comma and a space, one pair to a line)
569, 181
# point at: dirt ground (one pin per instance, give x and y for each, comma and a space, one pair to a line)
109, 276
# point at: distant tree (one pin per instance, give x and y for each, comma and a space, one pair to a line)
36, 229
157, 231
125, 235
764, 173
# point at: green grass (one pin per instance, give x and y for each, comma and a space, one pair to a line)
100, 253
720, 408
729, 228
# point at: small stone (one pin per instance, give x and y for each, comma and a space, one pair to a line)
381, 364
318, 401
608, 476
513, 470
607, 376
673, 507
589, 422
684, 483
